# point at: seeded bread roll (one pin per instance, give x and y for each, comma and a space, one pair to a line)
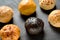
6, 14
54, 18
27, 7
47, 4
10, 32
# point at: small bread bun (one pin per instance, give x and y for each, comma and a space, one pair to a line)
6, 14
27, 7
47, 4
10, 32
54, 18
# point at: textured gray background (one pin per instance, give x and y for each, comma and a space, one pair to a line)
49, 32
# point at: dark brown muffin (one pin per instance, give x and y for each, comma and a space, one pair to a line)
34, 25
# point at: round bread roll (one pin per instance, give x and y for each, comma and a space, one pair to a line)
6, 14
47, 4
54, 18
27, 7
10, 32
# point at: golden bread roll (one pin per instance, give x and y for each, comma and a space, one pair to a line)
54, 18
10, 32
6, 14
27, 7
47, 4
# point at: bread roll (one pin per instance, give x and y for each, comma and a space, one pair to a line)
10, 32
54, 18
27, 7
47, 4
6, 14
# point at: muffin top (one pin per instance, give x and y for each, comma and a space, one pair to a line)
54, 18
6, 13
27, 7
47, 4
10, 31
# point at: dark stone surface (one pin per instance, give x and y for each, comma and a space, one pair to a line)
49, 32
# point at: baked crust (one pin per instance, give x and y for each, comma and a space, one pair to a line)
6, 14
47, 4
10, 32
54, 18
27, 7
